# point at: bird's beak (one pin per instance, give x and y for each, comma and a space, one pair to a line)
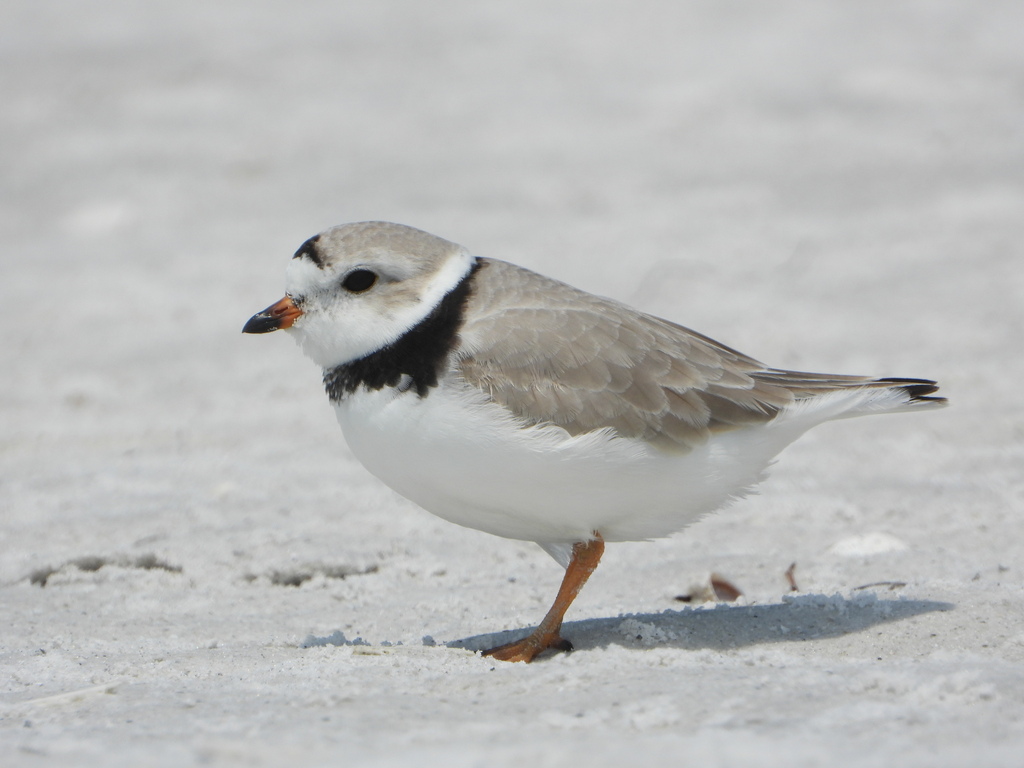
274, 317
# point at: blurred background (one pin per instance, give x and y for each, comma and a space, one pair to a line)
830, 187
826, 186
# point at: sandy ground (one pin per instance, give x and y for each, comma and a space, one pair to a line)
185, 539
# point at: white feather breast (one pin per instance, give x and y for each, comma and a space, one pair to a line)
467, 460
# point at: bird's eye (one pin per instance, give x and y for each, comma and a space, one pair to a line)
359, 280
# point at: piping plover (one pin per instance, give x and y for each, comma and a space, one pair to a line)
508, 402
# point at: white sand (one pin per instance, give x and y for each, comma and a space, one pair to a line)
827, 186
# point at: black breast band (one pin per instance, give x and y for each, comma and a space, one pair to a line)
421, 352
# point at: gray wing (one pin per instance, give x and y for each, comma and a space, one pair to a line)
554, 354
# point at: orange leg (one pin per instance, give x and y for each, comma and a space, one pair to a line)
585, 557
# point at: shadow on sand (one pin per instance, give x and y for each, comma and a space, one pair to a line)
724, 626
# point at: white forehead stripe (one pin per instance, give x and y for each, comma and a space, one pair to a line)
336, 328
302, 276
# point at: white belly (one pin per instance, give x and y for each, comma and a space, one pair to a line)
464, 459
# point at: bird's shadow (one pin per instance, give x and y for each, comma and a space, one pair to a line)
726, 626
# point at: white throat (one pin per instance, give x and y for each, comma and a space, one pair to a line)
339, 329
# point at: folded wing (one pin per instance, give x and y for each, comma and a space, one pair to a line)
551, 353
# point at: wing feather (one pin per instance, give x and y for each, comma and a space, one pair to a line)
551, 353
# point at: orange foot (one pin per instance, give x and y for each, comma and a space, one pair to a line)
585, 557
529, 647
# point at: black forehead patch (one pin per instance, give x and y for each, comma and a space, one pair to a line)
308, 249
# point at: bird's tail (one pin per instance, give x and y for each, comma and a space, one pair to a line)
894, 395
835, 397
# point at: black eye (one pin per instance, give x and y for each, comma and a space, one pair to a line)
359, 280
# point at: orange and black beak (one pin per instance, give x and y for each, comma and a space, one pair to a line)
274, 317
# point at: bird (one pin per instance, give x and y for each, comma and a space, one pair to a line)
505, 401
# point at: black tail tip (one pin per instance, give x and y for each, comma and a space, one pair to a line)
918, 390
